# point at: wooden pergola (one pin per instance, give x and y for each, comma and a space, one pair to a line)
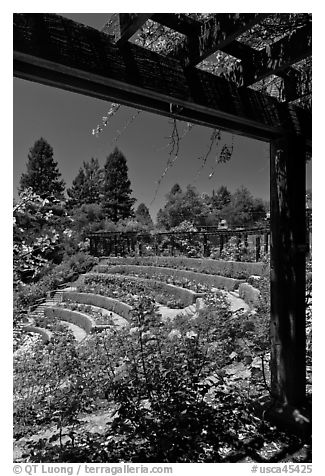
55, 51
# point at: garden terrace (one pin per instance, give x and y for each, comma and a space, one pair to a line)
195, 281
127, 287
101, 302
232, 269
251, 243
82, 320
101, 317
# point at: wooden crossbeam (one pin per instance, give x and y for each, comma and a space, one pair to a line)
53, 50
121, 26
214, 35
273, 59
179, 22
296, 83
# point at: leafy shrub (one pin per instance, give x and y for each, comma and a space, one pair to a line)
157, 377
69, 269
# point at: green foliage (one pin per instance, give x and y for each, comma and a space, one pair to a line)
169, 400
243, 209
117, 201
220, 198
42, 175
129, 288
182, 206
239, 209
38, 233
87, 218
27, 294
87, 186
142, 215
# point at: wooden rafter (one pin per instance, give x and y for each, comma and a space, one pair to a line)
122, 26
296, 84
274, 59
214, 35
179, 22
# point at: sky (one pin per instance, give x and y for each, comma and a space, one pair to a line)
66, 120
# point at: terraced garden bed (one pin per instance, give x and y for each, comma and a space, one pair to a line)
128, 288
233, 269
79, 319
100, 316
104, 302
197, 282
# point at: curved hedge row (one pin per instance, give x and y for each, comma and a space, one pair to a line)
141, 285
104, 302
216, 281
234, 269
75, 317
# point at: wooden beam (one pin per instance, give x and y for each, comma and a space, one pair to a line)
297, 84
121, 26
56, 51
214, 35
288, 249
273, 59
179, 22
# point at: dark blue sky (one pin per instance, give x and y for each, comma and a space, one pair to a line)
66, 119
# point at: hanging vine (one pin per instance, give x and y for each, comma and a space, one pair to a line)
105, 119
174, 143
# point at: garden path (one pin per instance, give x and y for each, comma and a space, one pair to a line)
234, 300
78, 332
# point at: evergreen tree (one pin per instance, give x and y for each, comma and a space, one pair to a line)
142, 215
87, 187
220, 198
42, 175
117, 200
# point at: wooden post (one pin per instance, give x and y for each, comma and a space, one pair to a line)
172, 245
115, 245
288, 228
266, 243
92, 245
205, 246
106, 246
221, 244
238, 241
258, 248
133, 243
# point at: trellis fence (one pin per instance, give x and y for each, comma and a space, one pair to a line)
242, 245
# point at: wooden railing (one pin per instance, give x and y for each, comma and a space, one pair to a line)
249, 244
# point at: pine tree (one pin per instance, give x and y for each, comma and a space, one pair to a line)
220, 198
117, 200
43, 175
142, 215
87, 187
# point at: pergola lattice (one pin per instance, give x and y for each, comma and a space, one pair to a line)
53, 50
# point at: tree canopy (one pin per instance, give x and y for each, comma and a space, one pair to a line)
117, 200
43, 175
87, 187
142, 215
